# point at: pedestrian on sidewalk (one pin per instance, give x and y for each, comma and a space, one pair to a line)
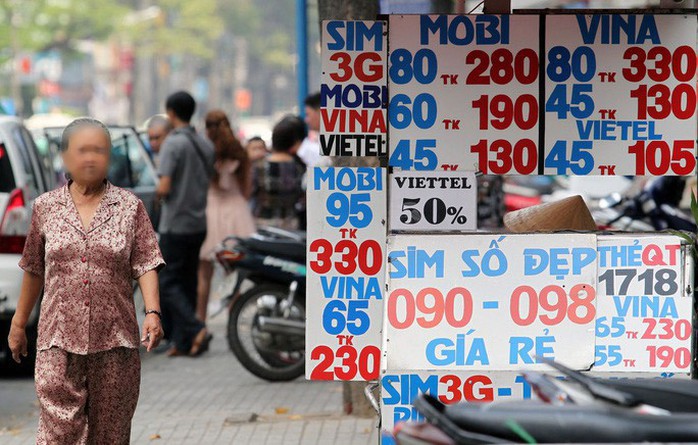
309, 151
227, 211
186, 168
278, 180
87, 241
158, 127
256, 150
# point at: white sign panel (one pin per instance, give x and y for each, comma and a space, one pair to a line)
464, 93
433, 201
620, 94
354, 92
346, 278
644, 310
490, 302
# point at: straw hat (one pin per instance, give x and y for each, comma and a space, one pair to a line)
566, 214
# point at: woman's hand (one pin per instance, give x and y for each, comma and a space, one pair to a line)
17, 341
29, 293
152, 326
152, 332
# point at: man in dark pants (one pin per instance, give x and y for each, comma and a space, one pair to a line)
186, 167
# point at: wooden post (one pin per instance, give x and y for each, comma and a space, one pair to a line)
497, 7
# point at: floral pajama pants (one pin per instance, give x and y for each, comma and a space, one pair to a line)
87, 399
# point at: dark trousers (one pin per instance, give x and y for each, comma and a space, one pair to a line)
178, 287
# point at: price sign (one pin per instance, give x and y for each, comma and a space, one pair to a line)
490, 302
644, 305
401, 388
433, 201
346, 243
354, 93
620, 94
464, 93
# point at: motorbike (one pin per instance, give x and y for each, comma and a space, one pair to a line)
573, 409
266, 322
655, 207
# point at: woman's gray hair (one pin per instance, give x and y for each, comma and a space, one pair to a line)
79, 123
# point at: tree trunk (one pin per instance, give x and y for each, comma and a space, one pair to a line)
347, 10
441, 6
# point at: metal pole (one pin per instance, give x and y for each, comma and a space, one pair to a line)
302, 48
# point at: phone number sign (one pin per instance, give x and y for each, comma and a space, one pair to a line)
612, 94
346, 278
490, 302
644, 305
464, 93
620, 94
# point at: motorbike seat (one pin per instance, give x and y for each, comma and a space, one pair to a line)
675, 395
280, 247
558, 424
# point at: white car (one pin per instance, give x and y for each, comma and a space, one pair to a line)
23, 176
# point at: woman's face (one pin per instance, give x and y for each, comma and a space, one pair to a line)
87, 155
211, 130
256, 150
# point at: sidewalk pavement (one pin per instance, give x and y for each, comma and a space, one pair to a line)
214, 400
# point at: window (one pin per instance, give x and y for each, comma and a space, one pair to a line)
43, 157
130, 166
7, 178
27, 165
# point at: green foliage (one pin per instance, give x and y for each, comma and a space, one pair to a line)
43, 24
268, 26
182, 27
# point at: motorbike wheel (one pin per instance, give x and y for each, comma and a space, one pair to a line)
272, 357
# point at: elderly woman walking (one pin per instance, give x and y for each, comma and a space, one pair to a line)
88, 240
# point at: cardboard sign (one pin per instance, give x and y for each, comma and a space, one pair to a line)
433, 201
644, 305
346, 278
354, 88
489, 302
620, 94
464, 93
615, 93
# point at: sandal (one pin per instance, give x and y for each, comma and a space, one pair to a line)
201, 343
174, 352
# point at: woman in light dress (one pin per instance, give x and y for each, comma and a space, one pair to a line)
227, 212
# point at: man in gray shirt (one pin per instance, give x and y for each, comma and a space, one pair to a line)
186, 168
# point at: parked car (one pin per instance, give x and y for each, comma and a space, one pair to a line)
23, 177
130, 166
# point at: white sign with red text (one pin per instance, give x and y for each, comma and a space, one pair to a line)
354, 89
490, 302
346, 272
644, 304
